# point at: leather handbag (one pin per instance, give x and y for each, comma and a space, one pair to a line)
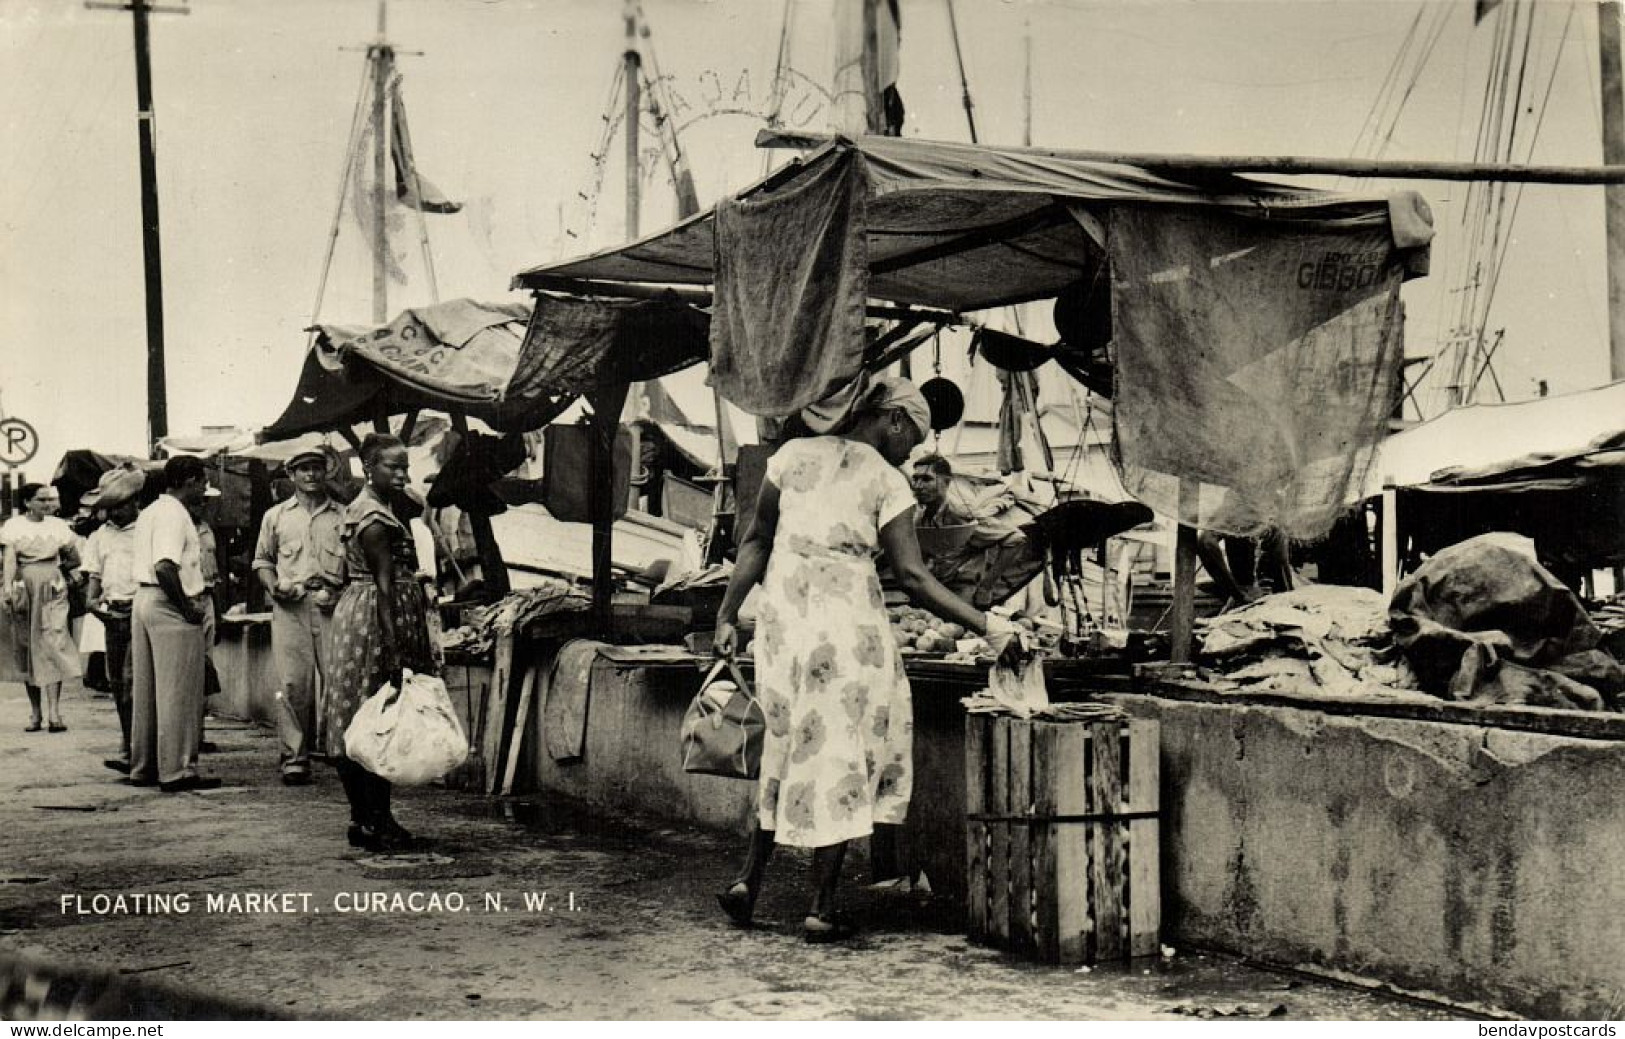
723, 729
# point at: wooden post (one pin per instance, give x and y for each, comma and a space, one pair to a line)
151, 253
1390, 539
1276, 165
492, 567
1613, 151
606, 421
1182, 616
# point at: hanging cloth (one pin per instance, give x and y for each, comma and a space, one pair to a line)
792, 278
1256, 364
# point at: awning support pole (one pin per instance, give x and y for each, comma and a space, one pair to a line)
1278, 165
492, 568
1390, 540
1182, 618
606, 421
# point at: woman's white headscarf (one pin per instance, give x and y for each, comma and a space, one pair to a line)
890, 391
869, 393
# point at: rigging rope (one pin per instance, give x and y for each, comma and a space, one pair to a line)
775, 100
423, 222
357, 120
600, 155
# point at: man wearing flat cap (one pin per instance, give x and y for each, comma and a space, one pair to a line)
300, 561
109, 563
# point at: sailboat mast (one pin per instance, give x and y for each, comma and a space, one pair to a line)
382, 57
634, 106
1613, 151
1027, 87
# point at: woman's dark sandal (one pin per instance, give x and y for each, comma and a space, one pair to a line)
818, 931
33, 726
737, 903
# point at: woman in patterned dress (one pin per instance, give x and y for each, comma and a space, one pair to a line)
379, 626
838, 755
38, 648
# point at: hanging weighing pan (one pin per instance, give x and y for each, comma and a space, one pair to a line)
1075, 525
947, 403
1010, 353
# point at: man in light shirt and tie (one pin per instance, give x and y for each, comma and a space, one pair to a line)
300, 561
166, 636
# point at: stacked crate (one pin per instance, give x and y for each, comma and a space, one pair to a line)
1063, 837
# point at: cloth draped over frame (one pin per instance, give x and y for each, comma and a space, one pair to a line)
575, 345
459, 353
792, 279
1256, 364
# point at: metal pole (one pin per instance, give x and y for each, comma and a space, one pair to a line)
157, 383
1613, 152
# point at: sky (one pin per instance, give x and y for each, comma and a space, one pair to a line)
507, 102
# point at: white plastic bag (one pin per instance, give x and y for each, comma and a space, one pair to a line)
1020, 689
411, 738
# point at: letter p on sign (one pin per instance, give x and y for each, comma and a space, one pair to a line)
18, 441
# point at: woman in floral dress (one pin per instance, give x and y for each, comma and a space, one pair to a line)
838, 755
379, 626
38, 647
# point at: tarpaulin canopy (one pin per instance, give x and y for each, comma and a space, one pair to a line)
1255, 327
967, 227
1570, 502
1488, 438
459, 354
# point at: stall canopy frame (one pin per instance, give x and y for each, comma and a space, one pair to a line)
960, 228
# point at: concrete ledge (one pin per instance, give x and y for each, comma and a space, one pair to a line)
1472, 861
631, 760
1478, 862
248, 679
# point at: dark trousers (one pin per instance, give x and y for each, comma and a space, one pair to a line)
118, 672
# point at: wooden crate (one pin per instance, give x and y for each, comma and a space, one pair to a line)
1062, 837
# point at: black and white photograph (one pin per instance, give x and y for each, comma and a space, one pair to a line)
813, 510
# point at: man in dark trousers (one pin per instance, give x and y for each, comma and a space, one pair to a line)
109, 563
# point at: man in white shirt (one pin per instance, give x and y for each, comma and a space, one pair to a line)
300, 562
166, 636
109, 562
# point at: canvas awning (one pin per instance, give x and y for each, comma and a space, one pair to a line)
455, 355
969, 227
1486, 439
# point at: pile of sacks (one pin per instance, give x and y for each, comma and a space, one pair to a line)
1481, 621
1484, 621
1324, 637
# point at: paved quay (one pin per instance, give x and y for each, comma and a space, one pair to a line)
247, 901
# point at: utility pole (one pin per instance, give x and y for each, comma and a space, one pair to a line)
382, 56
152, 260
1613, 151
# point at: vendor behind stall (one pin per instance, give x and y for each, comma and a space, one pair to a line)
981, 558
